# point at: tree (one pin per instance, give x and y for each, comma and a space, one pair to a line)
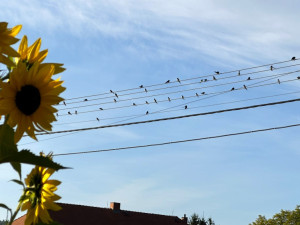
285, 217
196, 220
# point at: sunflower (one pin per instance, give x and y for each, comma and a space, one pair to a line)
7, 38
39, 196
30, 55
28, 97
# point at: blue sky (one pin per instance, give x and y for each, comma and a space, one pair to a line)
123, 44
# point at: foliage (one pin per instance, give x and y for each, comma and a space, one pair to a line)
285, 217
196, 220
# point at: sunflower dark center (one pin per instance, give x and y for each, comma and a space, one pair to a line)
28, 99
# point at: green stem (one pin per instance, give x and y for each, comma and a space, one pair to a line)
15, 214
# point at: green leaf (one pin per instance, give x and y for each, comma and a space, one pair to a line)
5, 206
17, 167
18, 182
27, 157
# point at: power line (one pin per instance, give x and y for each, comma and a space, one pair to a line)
187, 97
209, 75
177, 142
172, 118
181, 85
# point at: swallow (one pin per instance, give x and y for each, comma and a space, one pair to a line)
182, 96
185, 107
75, 111
168, 81
293, 58
245, 87
57, 114
147, 113
201, 80
101, 108
169, 99
141, 86
146, 90
232, 89
147, 102
178, 80
116, 95
278, 81
203, 93
239, 73
298, 78
197, 95
69, 113
155, 100
111, 91
98, 119
85, 99
214, 78
217, 72
64, 103
271, 68
205, 80
133, 104
115, 100
249, 78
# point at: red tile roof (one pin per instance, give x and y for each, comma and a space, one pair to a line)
87, 215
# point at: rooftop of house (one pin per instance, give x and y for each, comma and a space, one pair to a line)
82, 215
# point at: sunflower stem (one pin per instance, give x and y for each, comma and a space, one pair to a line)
15, 214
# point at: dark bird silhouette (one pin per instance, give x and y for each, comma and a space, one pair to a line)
146, 90
298, 78
116, 95
278, 81
57, 114
239, 73
147, 102
69, 113
98, 119
203, 93
217, 72
293, 58
85, 99
197, 95
185, 107
214, 78
205, 80
178, 80
155, 100
147, 113
168, 81
101, 108
115, 100
75, 111
201, 80
232, 89
64, 103
245, 87
271, 68
249, 78
141, 86
182, 96
133, 104
111, 91
169, 99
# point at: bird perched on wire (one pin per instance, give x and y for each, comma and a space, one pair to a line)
57, 114
169, 99
111, 91
155, 100
76, 112
245, 87
147, 102
115, 100
178, 80
141, 86
116, 95
217, 72
203, 93
293, 58
271, 68
101, 108
69, 113
239, 73
98, 119
232, 89
147, 113
214, 78
64, 103
146, 90
249, 78
168, 81
85, 99
185, 107
182, 96
278, 81
298, 78
133, 104
197, 95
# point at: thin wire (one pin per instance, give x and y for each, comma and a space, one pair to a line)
177, 142
243, 69
187, 97
173, 118
170, 87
